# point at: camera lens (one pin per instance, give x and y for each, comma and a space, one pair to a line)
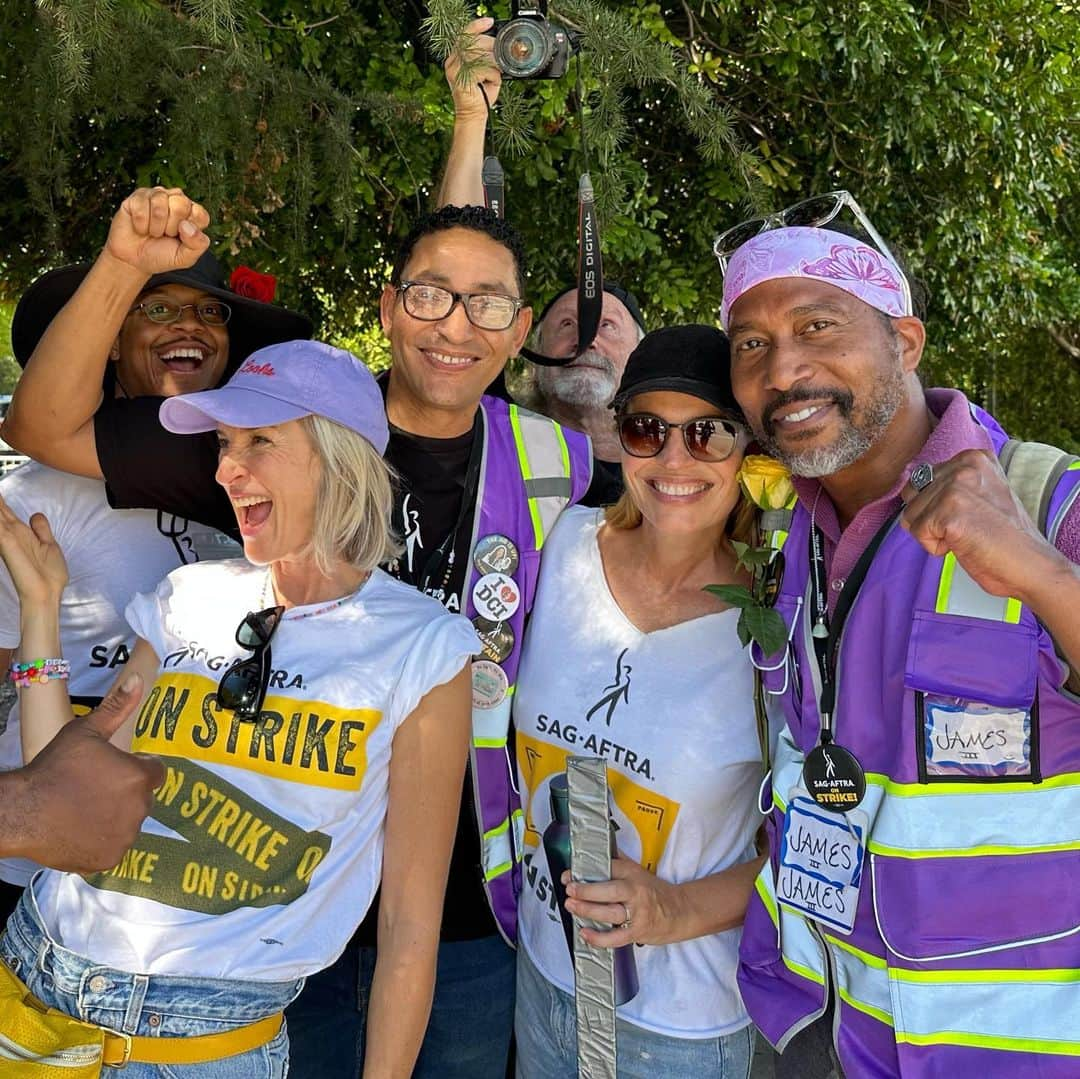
523, 48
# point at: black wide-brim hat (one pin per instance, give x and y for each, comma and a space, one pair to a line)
252, 325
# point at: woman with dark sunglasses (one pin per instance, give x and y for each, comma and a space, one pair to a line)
628, 658
312, 715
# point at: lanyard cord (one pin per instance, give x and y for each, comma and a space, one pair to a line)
827, 645
491, 173
442, 558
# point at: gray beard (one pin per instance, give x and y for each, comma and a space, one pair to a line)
580, 388
861, 429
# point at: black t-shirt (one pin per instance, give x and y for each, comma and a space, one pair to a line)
428, 508
606, 485
147, 467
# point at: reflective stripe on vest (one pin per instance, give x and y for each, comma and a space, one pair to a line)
545, 467
959, 594
1051, 1008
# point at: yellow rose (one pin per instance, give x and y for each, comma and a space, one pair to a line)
767, 482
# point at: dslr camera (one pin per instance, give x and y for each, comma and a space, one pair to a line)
528, 46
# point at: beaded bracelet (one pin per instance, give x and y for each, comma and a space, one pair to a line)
39, 670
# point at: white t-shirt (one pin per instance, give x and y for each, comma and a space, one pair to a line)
254, 817
672, 713
111, 555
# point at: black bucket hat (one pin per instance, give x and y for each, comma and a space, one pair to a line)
684, 359
253, 324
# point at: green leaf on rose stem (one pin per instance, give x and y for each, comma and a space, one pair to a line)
757, 556
743, 629
766, 627
732, 594
740, 548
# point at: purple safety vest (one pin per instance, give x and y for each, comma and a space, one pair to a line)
964, 957
531, 470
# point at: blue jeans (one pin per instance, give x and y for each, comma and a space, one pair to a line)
148, 1005
546, 1030
468, 1036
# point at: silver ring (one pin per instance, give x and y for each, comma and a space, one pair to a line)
922, 476
626, 910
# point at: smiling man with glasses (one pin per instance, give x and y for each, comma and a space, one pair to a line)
917, 916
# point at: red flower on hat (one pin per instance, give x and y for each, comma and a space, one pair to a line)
253, 285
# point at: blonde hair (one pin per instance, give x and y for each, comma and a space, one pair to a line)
625, 514
355, 499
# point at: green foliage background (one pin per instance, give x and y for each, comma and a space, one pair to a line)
315, 131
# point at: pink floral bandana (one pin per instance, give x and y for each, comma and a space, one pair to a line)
830, 257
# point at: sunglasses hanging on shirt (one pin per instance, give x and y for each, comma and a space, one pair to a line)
243, 686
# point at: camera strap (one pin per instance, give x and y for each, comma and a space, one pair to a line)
590, 270
590, 273
494, 186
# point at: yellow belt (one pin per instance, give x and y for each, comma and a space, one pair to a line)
121, 1049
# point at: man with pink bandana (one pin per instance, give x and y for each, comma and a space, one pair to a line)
918, 915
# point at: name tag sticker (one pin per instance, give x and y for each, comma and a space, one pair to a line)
821, 857
965, 738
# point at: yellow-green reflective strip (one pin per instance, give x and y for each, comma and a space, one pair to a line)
986, 1041
864, 957
967, 852
997, 786
489, 743
989, 977
564, 450
803, 972
866, 1009
948, 565
766, 898
526, 474
498, 871
1012, 610
1073, 467
495, 833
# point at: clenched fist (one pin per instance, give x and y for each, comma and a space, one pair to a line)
158, 229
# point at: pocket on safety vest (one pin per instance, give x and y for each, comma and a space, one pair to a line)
974, 685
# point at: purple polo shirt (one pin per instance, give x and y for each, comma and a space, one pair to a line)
956, 430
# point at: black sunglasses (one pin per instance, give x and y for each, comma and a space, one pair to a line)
242, 688
708, 438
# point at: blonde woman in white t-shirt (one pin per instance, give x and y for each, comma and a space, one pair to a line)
630, 659
312, 750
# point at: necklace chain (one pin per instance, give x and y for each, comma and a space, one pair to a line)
267, 593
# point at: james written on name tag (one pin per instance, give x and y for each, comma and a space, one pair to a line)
821, 856
963, 738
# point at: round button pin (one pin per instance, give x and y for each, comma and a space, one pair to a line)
495, 554
496, 597
489, 684
497, 638
834, 778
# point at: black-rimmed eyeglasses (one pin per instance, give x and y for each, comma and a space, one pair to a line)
243, 686
208, 312
485, 310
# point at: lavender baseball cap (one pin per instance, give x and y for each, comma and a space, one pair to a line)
284, 382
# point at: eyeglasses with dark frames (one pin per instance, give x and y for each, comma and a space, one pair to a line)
708, 438
208, 312
243, 686
485, 310
815, 212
